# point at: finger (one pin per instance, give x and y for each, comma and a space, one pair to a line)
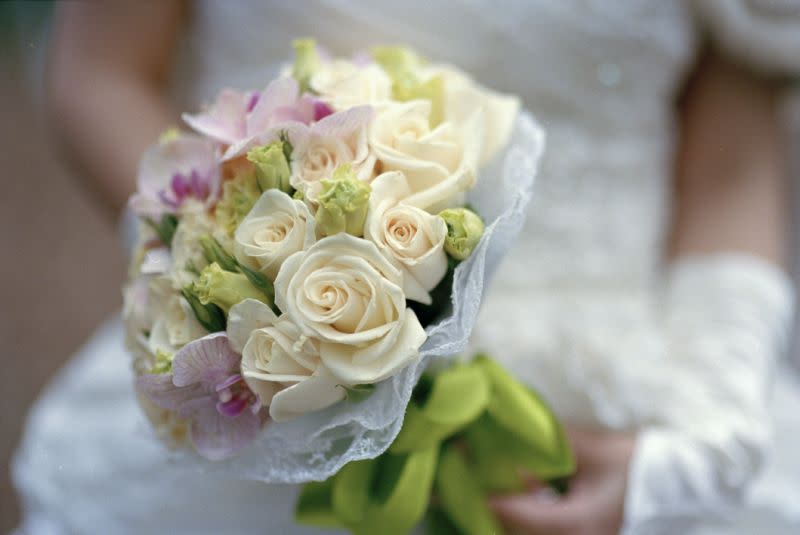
538, 513
582, 440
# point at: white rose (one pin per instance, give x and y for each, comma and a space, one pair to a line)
342, 84
344, 292
175, 326
187, 253
462, 96
279, 363
276, 227
440, 164
317, 150
408, 234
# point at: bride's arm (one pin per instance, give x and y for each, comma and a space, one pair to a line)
726, 306
108, 68
731, 187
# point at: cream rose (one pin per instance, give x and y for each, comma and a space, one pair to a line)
462, 96
175, 327
187, 253
319, 149
342, 84
276, 227
440, 164
344, 292
407, 234
279, 363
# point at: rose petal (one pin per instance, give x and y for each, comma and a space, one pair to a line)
311, 394
339, 359
244, 318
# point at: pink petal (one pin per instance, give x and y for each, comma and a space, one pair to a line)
343, 124
162, 161
206, 361
160, 389
218, 437
279, 94
224, 121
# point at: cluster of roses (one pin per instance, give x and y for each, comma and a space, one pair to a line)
284, 241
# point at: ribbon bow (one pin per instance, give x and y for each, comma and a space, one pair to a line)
469, 431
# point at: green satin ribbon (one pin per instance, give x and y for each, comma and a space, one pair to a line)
470, 431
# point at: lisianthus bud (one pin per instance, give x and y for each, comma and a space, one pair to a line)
238, 197
162, 362
464, 231
272, 169
214, 252
403, 66
224, 288
397, 60
168, 135
343, 203
306, 61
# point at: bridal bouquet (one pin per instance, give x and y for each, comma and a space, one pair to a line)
307, 251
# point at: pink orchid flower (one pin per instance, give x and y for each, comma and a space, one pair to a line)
205, 387
319, 148
242, 120
173, 171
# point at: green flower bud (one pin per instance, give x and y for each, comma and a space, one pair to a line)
238, 197
343, 203
306, 61
210, 316
224, 288
163, 362
402, 65
214, 252
168, 135
272, 169
397, 61
464, 231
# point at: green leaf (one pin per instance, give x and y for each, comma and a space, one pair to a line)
523, 414
418, 432
438, 523
461, 497
493, 467
210, 316
357, 393
351, 489
403, 493
314, 506
165, 228
499, 453
213, 251
260, 281
458, 395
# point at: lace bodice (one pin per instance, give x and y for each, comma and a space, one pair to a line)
601, 82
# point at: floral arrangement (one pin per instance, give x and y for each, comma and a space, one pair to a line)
307, 249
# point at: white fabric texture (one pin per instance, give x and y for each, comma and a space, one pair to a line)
725, 322
579, 309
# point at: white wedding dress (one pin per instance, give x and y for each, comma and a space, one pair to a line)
581, 309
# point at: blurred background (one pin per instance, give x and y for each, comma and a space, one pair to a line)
62, 264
